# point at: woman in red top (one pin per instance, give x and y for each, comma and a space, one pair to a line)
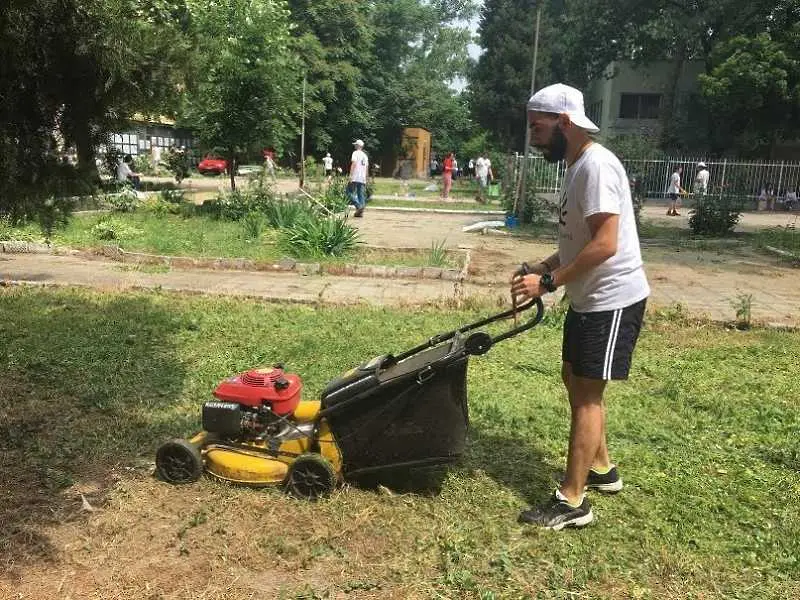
447, 175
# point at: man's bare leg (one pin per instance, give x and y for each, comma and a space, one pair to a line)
602, 460
586, 432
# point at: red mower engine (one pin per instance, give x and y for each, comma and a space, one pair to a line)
253, 403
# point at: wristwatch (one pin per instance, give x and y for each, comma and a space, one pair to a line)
546, 281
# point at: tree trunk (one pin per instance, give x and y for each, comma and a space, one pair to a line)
86, 152
668, 131
232, 170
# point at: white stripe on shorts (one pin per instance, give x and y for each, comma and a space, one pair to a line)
612, 343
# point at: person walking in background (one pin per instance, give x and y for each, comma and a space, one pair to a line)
359, 167
447, 175
125, 174
327, 165
770, 197
701, 179
269, 166
674, 191
484, 175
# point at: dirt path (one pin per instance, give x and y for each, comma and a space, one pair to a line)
706, 281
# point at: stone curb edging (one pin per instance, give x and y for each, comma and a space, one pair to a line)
117, 254
782, 253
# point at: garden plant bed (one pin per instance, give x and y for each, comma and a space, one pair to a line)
202, 242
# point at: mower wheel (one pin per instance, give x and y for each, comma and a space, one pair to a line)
310, 477
178, 461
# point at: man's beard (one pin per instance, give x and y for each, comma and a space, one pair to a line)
556, 150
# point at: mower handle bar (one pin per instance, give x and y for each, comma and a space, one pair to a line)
443, 337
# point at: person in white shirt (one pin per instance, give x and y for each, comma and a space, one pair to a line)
599, 262
484, 175
126, 174
359, 167
791, 200
701, 179
674, 191
327, 164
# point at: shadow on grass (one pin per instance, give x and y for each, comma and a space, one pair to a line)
87, 385
511, 460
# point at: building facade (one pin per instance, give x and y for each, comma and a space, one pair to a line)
629, 98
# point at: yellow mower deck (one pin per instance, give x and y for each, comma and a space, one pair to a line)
254, 468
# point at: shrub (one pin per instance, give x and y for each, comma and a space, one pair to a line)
125, 201
112, 229
172, 196
335, 198
156, 205
254, 224
228, 206
286, 213
177, 163
715, 215
317, 236
536, 209
143, 164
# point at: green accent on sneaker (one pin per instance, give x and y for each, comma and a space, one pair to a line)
602, 471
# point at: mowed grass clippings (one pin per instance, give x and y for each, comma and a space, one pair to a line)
706, 433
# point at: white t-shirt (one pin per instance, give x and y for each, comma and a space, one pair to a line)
123, 170
327, 162
597, 183
358, 171
702, 181
674, 184
482, 166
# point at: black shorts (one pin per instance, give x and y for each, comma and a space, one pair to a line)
599, 345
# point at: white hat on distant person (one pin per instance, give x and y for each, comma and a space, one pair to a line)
562, 99
701, 164
359, 143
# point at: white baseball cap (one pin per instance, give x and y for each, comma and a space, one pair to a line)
702, 165
562, 99
359, 143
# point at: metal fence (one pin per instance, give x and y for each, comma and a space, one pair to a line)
739, 178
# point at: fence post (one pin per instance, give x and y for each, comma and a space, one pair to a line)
724, 167
780, 180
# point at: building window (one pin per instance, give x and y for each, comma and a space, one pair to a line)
595, 112
639, 106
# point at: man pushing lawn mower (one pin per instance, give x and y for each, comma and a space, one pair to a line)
599, 263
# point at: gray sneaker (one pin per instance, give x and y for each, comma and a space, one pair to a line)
556, 514
610, 482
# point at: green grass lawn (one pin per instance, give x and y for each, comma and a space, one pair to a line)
706, 434
206, 237
462, 188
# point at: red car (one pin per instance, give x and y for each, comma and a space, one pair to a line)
212, 164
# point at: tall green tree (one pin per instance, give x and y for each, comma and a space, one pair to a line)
419, 49
333, 39
126, 57
246, 96
753, 92
501, 81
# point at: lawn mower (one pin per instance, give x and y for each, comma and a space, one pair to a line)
388, 414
